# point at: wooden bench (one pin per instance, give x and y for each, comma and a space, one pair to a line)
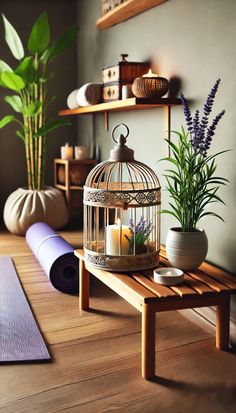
207, 286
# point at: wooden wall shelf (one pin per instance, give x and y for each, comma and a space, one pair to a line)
125, 11
126, 105
122, 105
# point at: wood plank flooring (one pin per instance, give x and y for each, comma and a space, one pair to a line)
96, 354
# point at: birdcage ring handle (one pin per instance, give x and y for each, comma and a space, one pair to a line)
117, 126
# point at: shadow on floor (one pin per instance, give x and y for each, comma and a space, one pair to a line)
218, 390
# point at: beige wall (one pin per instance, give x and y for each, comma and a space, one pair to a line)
191, 40
22, 14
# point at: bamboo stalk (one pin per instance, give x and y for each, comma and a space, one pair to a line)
28, 165
36, 123
31, 152
40, 141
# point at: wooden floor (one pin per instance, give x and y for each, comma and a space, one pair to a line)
95, 364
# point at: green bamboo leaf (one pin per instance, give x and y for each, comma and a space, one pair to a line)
7, 119
4, 67
61, 44
33, 108
20, 135
15, 102
12, 81
13, 40
26, 69
40, 35
51, 126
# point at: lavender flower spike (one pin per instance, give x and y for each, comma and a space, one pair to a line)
208, 105
211, 130
187, 113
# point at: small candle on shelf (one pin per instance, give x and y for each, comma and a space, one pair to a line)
67, 152
168, 276
116, 242
150, 74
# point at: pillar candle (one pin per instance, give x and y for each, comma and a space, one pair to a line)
67, 151
113, 235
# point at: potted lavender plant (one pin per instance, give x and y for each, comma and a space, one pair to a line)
27, 83
192, 184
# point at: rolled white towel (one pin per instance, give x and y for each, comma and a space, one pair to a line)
88, 94
72, 99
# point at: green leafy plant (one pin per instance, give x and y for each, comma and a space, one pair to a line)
192, 183
29, 83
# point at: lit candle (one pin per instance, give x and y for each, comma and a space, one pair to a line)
150, 74
67, 151
168, 276
116, 242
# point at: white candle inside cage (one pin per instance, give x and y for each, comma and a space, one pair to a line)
116, 241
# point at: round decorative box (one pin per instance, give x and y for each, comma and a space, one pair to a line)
150, 86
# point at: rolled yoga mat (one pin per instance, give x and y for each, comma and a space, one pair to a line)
55, 256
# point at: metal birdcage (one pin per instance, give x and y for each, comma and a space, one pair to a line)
122, 199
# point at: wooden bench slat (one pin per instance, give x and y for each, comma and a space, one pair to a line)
211, 282
147, 281
200, 276
212, 271
183, 290
197, 285
126, 280
219, 274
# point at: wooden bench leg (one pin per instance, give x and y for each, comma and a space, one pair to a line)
83, 286
222, 323
148, 341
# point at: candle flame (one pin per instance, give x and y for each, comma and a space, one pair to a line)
150, 74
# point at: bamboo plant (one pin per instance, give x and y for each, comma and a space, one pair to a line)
29, 83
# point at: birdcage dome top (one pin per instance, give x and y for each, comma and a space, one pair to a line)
123, 176
122, 171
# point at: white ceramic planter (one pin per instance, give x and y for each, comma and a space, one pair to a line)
186, 250
25, 207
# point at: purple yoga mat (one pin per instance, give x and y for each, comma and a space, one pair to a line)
55, 256
20, 338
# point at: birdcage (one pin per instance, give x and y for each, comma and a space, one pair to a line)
122, 199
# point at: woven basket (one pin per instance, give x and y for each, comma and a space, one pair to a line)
150, 87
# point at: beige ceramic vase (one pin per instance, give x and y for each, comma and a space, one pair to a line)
25, 207
186, 250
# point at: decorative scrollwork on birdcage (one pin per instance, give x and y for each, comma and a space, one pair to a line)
101, 198
122, 198
124, 263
